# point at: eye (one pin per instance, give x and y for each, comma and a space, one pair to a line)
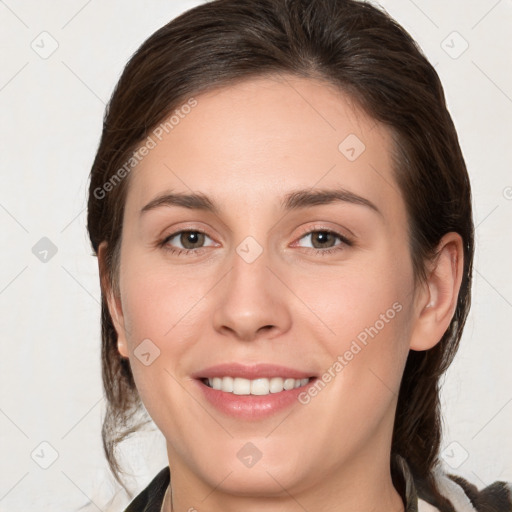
187, 241
324, 240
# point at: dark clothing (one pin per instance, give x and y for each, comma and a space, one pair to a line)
151, 498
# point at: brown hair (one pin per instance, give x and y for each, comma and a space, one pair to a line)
366, 54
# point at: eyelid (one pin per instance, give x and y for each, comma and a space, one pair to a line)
164, 240
180, 227
328, 226
347, 239
180, 231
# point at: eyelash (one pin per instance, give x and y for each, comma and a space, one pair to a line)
324, 252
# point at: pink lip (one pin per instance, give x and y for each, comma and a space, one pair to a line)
256, 371
252, 407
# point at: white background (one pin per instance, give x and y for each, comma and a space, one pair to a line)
52, 113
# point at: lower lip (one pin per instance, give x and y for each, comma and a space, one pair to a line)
252, 407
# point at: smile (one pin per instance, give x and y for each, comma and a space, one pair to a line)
262, 386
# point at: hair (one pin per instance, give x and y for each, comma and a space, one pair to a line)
364, 53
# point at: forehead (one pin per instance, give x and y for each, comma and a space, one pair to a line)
262, 137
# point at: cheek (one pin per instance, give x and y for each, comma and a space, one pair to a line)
162, 311
364, 326
157, 303
348, 300
368, 331
365, 360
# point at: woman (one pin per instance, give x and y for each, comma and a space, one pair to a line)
282, 218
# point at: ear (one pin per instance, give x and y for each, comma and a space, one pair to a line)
113, 301
436, 301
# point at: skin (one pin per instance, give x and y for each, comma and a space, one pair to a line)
246, 146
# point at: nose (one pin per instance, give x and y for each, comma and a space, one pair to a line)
251, 302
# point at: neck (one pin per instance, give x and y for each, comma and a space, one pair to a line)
363, 484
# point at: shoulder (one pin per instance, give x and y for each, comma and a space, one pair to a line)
150, 499
446, 492
464, 496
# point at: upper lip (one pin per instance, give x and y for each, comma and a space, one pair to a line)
251, 372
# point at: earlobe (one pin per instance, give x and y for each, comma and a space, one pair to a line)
437, 299
113, 302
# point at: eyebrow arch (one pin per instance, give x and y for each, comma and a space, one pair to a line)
294, 200
192, 201
312, 197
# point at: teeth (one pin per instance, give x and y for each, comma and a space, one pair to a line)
240, 386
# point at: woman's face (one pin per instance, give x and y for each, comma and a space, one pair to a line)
270, 273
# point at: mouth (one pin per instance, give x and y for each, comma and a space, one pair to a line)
259, 387
258, 380
253, 392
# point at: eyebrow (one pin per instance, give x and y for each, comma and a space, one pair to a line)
294, 200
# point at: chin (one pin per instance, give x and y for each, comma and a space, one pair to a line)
251, 471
